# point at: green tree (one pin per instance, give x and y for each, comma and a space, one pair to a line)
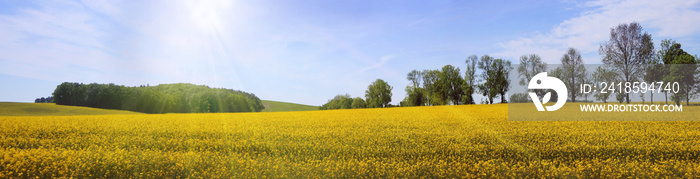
61, 93
414, 93
501, 71
165, 98
682, 69
470, 80
414, 97
339, 102
451, 80
415, 78
488, 82
430, 78
574, 72
626, 51
602, 74
558, 73
586, 80
378, 94
346, 102
358, 103
620, 97
659, 72
519, 98
494, 78
654, 68
531, 65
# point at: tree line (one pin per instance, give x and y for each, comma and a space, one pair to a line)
377, 95
44, 100
446, 86
443, 86
164, 98
628, 56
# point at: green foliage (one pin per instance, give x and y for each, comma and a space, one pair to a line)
654, 70
519, 98
602, 74
338, 102
558, 73
486, 87
415, 78
44, 100
358, 103
530, 65
682, 69
573, 71
494, 77
378, 94
469, 85
440, 87
676, 55
446, 85
164, 98
620, 97
414, 96
451, 80
432, 88
500, 74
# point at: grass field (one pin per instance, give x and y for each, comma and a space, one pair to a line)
276, 106
475, 141
51, 109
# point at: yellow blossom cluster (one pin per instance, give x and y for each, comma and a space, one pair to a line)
469, 141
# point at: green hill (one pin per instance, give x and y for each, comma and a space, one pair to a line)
51, 109
275, 106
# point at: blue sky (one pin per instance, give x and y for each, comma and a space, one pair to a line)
301, 51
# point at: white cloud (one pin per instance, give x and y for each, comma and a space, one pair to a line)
667, 19
58, 37
380, 63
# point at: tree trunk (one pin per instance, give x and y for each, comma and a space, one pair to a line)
666, 96
573, 91
652, 97
503, 99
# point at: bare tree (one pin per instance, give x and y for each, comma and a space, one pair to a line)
626, 51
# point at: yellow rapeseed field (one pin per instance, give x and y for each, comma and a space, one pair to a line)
475, 141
